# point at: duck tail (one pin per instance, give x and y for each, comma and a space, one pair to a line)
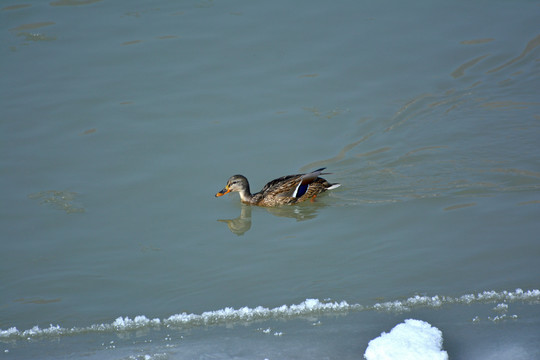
333, 186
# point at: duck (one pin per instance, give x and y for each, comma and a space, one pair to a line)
286, 190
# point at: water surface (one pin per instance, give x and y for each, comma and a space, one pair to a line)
121, 120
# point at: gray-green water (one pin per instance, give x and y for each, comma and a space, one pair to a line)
120, 120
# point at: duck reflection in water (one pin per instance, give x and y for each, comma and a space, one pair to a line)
242, 223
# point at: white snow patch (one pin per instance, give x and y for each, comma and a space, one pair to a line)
410, 340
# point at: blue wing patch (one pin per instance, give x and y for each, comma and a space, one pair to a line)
300, 190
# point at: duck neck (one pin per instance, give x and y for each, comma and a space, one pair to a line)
245, 194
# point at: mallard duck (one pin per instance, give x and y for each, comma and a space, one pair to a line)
290, 189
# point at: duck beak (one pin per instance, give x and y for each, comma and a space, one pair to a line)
226, 190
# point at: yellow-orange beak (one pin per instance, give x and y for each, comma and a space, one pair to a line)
226, 190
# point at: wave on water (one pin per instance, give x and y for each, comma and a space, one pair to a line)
309, 307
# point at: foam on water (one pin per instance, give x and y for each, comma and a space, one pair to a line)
245, 314
307, 308
437, 300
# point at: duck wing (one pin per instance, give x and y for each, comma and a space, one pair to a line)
291, 185
306, 180
280, 185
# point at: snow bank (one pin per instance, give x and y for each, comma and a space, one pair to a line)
410, 340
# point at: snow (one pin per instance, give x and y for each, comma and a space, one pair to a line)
410, 340
308, 307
